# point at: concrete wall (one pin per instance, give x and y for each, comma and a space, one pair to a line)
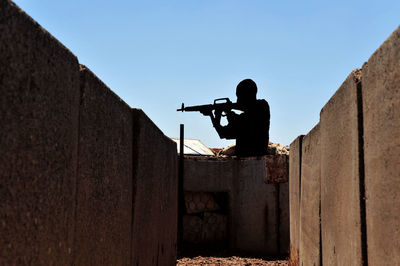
340, 195
258, 216
104, 183
294, 198
284, 219
359, 158
155, 194
84, 180
381, 114
254, 209
309, 229
39, 102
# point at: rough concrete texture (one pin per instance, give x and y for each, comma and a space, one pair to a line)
284, 219
255, 209
253, 204
197, 202
39, 88
214, 227
381, 115
209, 228
277, 168
340, 197
192, 226
208, 175
294, 198
104, 182
309, 246
155, 194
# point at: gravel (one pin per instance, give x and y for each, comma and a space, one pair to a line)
229, 261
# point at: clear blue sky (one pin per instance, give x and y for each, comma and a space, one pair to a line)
157, 54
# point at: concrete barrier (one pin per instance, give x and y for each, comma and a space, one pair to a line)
381, 115
39, 88
208, 175
309, 245
257, 218
359, 159
104, 182
155, 184
294, 198
77, 164
340, 187
255, 209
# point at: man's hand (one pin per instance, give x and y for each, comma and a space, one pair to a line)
218, 114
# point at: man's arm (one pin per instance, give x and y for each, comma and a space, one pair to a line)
229, 131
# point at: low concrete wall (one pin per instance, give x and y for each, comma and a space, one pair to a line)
258, 218
310, 242
381, 114
104, 183
255, 206
84, 179
39, 88
155, 194
358, 154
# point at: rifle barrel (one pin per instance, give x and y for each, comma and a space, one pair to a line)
209, 107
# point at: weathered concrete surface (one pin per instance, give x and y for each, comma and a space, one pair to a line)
254, 210
381, 114
192, 227
39, 88
155, 194
104, 182
214, 227
340, 197
294, 198
309, 246
208, 175
284, 219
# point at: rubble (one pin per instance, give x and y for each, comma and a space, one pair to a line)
273, 149
277, 148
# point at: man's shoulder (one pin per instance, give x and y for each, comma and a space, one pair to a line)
262, 104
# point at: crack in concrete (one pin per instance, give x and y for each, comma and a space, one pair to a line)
361, 169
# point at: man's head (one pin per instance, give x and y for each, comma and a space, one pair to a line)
246, 92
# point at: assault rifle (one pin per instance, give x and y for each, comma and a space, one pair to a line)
223, 105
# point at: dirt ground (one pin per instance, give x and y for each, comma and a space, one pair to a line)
229, 261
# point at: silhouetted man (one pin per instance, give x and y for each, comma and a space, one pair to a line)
250, 128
